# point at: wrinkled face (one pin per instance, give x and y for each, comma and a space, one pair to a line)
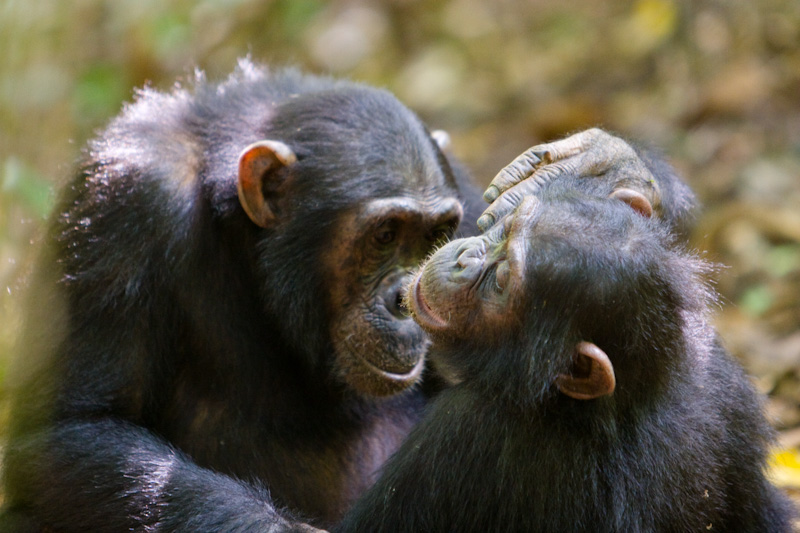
472, 282
380, 350
356, 174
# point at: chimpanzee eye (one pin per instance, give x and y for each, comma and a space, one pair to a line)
442, 233
385, 236
439, 235
386, 232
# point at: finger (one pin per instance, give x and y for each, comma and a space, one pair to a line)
506, 203
572, 145
537, 156
503, 204
516, 171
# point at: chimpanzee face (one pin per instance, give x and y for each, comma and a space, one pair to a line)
472, 282
589, 258
379, 348
367, 178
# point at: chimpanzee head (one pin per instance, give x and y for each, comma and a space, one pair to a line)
555, 291
352, 193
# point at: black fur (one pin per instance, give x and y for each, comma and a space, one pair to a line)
679, 446
175, 372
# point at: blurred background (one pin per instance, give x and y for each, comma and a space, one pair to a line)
715, 85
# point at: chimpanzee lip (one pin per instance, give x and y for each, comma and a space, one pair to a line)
423, 313
406, 377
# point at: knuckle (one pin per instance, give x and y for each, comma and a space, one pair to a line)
502, 177
512, 198
597, 133
532, 156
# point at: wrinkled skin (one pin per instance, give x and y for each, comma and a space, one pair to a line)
379, 348
590, 153
472, 282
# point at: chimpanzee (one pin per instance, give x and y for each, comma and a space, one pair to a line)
216, 332
215, 340
590, 392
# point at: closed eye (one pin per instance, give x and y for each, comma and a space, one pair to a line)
443, 232
385, 236
385, 233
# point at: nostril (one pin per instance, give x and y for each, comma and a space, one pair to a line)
396, 304
468, 265
462, 248
469, 258
470, 253
400, 304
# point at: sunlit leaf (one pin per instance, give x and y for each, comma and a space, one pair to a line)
650, 23
784, 468
657, 18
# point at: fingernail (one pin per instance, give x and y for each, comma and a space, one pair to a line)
491, 194
485, 221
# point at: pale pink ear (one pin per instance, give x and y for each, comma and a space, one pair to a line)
636, 200
260, 183
591, 374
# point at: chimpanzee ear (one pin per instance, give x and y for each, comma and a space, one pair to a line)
591, 375
636, 200
260, 179
442, 139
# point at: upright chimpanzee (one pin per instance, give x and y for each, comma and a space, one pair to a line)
215, 340
590, 392
218, 310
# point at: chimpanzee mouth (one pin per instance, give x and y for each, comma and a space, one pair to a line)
406, 377
421, 310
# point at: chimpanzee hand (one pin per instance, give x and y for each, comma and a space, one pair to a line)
590, 153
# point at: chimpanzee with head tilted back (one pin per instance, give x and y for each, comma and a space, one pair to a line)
590, 392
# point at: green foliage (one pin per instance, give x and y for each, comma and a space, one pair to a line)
295, 15
99, 92
784, 259
170, 31
756, 300
23, 185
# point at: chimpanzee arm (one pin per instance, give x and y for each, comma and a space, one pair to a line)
110, 475
90, 469
102, 369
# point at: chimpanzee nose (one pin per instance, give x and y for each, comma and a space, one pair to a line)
394, 299
469, 262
